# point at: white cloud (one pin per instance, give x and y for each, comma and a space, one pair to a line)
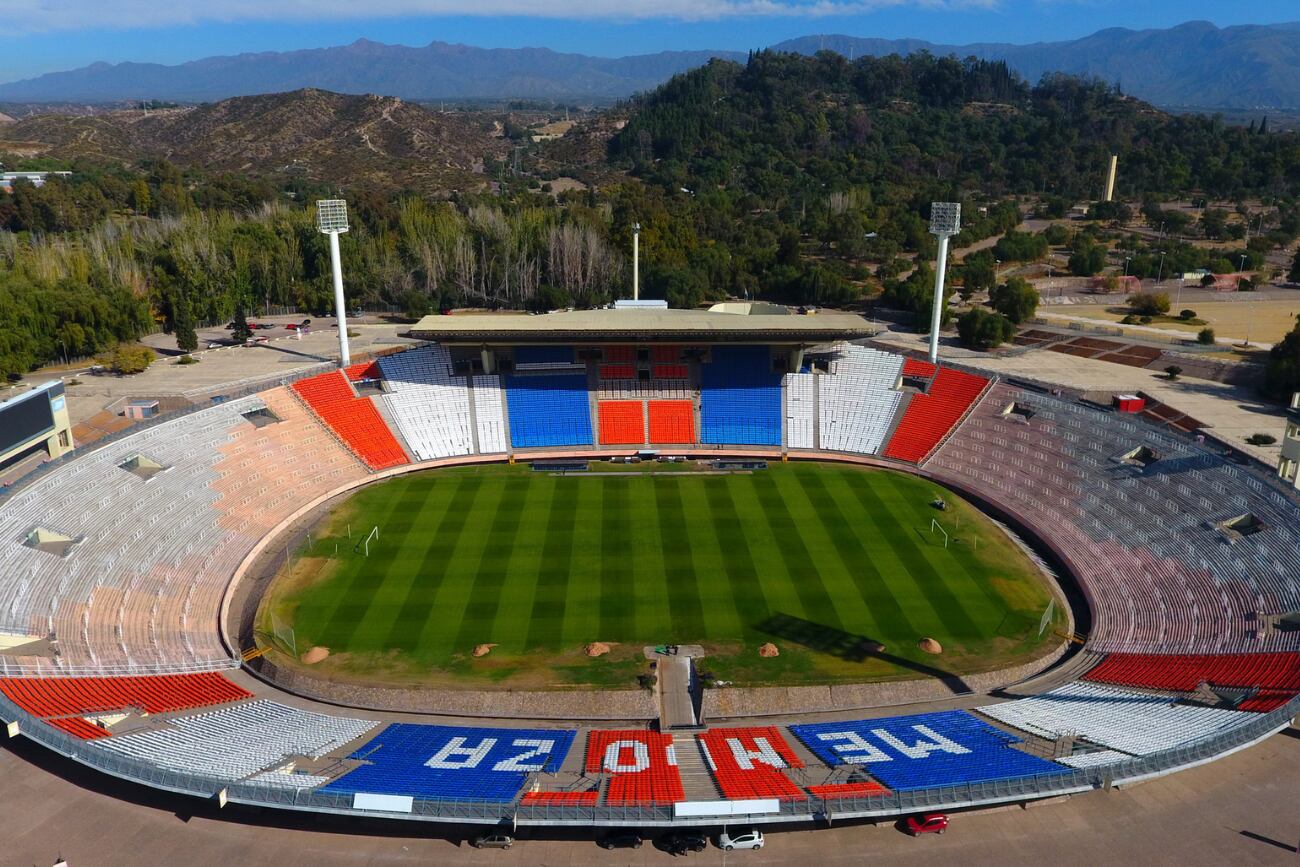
25, 16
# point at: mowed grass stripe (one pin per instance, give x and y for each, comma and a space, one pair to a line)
841, 557
354, 597
934, 589
419, 506
518, 591
617, 572
484, 585
408, 622
582, 588
859, 544
799, 562
737, 562
547, 618
775, 581
684, 608
438, 630
976, 597
709, 553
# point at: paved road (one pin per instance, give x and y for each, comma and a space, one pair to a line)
1238, 811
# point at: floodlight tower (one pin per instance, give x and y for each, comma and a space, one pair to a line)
945, 221
636, 261
332, 220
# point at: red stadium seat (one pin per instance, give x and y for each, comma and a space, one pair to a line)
622, 422
1276, 675
930, 416
670, 371
665, 354
847, 790
586, 799
672, 421
620, 354
642, 766
74, 697
355, 420
748, 763
618, 371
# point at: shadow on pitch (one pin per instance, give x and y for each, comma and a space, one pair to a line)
850, 647
1269, 840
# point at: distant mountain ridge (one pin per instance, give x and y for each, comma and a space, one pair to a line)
1192, 65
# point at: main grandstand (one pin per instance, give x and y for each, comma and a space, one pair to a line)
119, 569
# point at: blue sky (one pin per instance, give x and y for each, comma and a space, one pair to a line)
62, 34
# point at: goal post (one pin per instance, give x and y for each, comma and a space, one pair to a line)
935, 525
1046, 621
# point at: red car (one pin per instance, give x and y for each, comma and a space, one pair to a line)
926, 823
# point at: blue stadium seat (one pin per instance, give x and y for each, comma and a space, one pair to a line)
917, 752
452, 762
740, 397
549, 410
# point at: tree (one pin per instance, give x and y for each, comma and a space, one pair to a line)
1282, 374
1205, 337
1088, 259
140, 198
127, 360
241, 331
977, 274
187, 339
1149, 303
1172, 371
982, 330
1015, 299
1293, 276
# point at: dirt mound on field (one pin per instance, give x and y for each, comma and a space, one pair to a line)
596, 648
929, 645
483, 650
315, 655
767, 651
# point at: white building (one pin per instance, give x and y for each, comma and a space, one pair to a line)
37, 179
1288, 466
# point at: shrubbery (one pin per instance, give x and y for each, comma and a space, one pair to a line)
980, 329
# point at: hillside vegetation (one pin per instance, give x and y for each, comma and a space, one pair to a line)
799, 179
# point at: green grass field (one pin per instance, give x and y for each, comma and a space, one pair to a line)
817, 558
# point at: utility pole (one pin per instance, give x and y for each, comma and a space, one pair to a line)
636, 261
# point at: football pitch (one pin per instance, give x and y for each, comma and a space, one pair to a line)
821, 559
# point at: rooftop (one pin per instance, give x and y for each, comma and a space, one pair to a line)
760, 325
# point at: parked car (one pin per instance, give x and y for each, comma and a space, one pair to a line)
292, 326
493, 840
681, 842
750, 838
629, 840
926, 823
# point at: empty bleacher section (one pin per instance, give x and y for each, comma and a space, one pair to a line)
740, 397
139, 592
548, 410
1142, 540
924, 750
622, 422
77, 696
931, 415
489, 415
581, 799
672, 421
1130, 722
617, 371
354, 419
1275, 677
642, 766
830, 791
749, 763
453, 762
857, 402
800, 410
236, 742
429, 404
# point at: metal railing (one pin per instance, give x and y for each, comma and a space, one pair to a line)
1018, 789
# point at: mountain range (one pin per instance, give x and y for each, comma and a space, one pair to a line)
1193, 65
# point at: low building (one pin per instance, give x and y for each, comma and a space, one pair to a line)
1289, 465
35, 421
36, 179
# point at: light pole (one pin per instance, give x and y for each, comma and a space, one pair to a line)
1160, 273
636, 261
332, 220
945, 221
1127, 259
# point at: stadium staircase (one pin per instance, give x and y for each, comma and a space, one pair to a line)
697, 780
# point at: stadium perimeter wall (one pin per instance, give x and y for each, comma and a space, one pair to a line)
239, 606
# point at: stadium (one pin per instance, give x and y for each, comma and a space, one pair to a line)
1119, 591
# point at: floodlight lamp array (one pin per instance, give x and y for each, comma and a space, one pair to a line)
945, 218
332, 215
